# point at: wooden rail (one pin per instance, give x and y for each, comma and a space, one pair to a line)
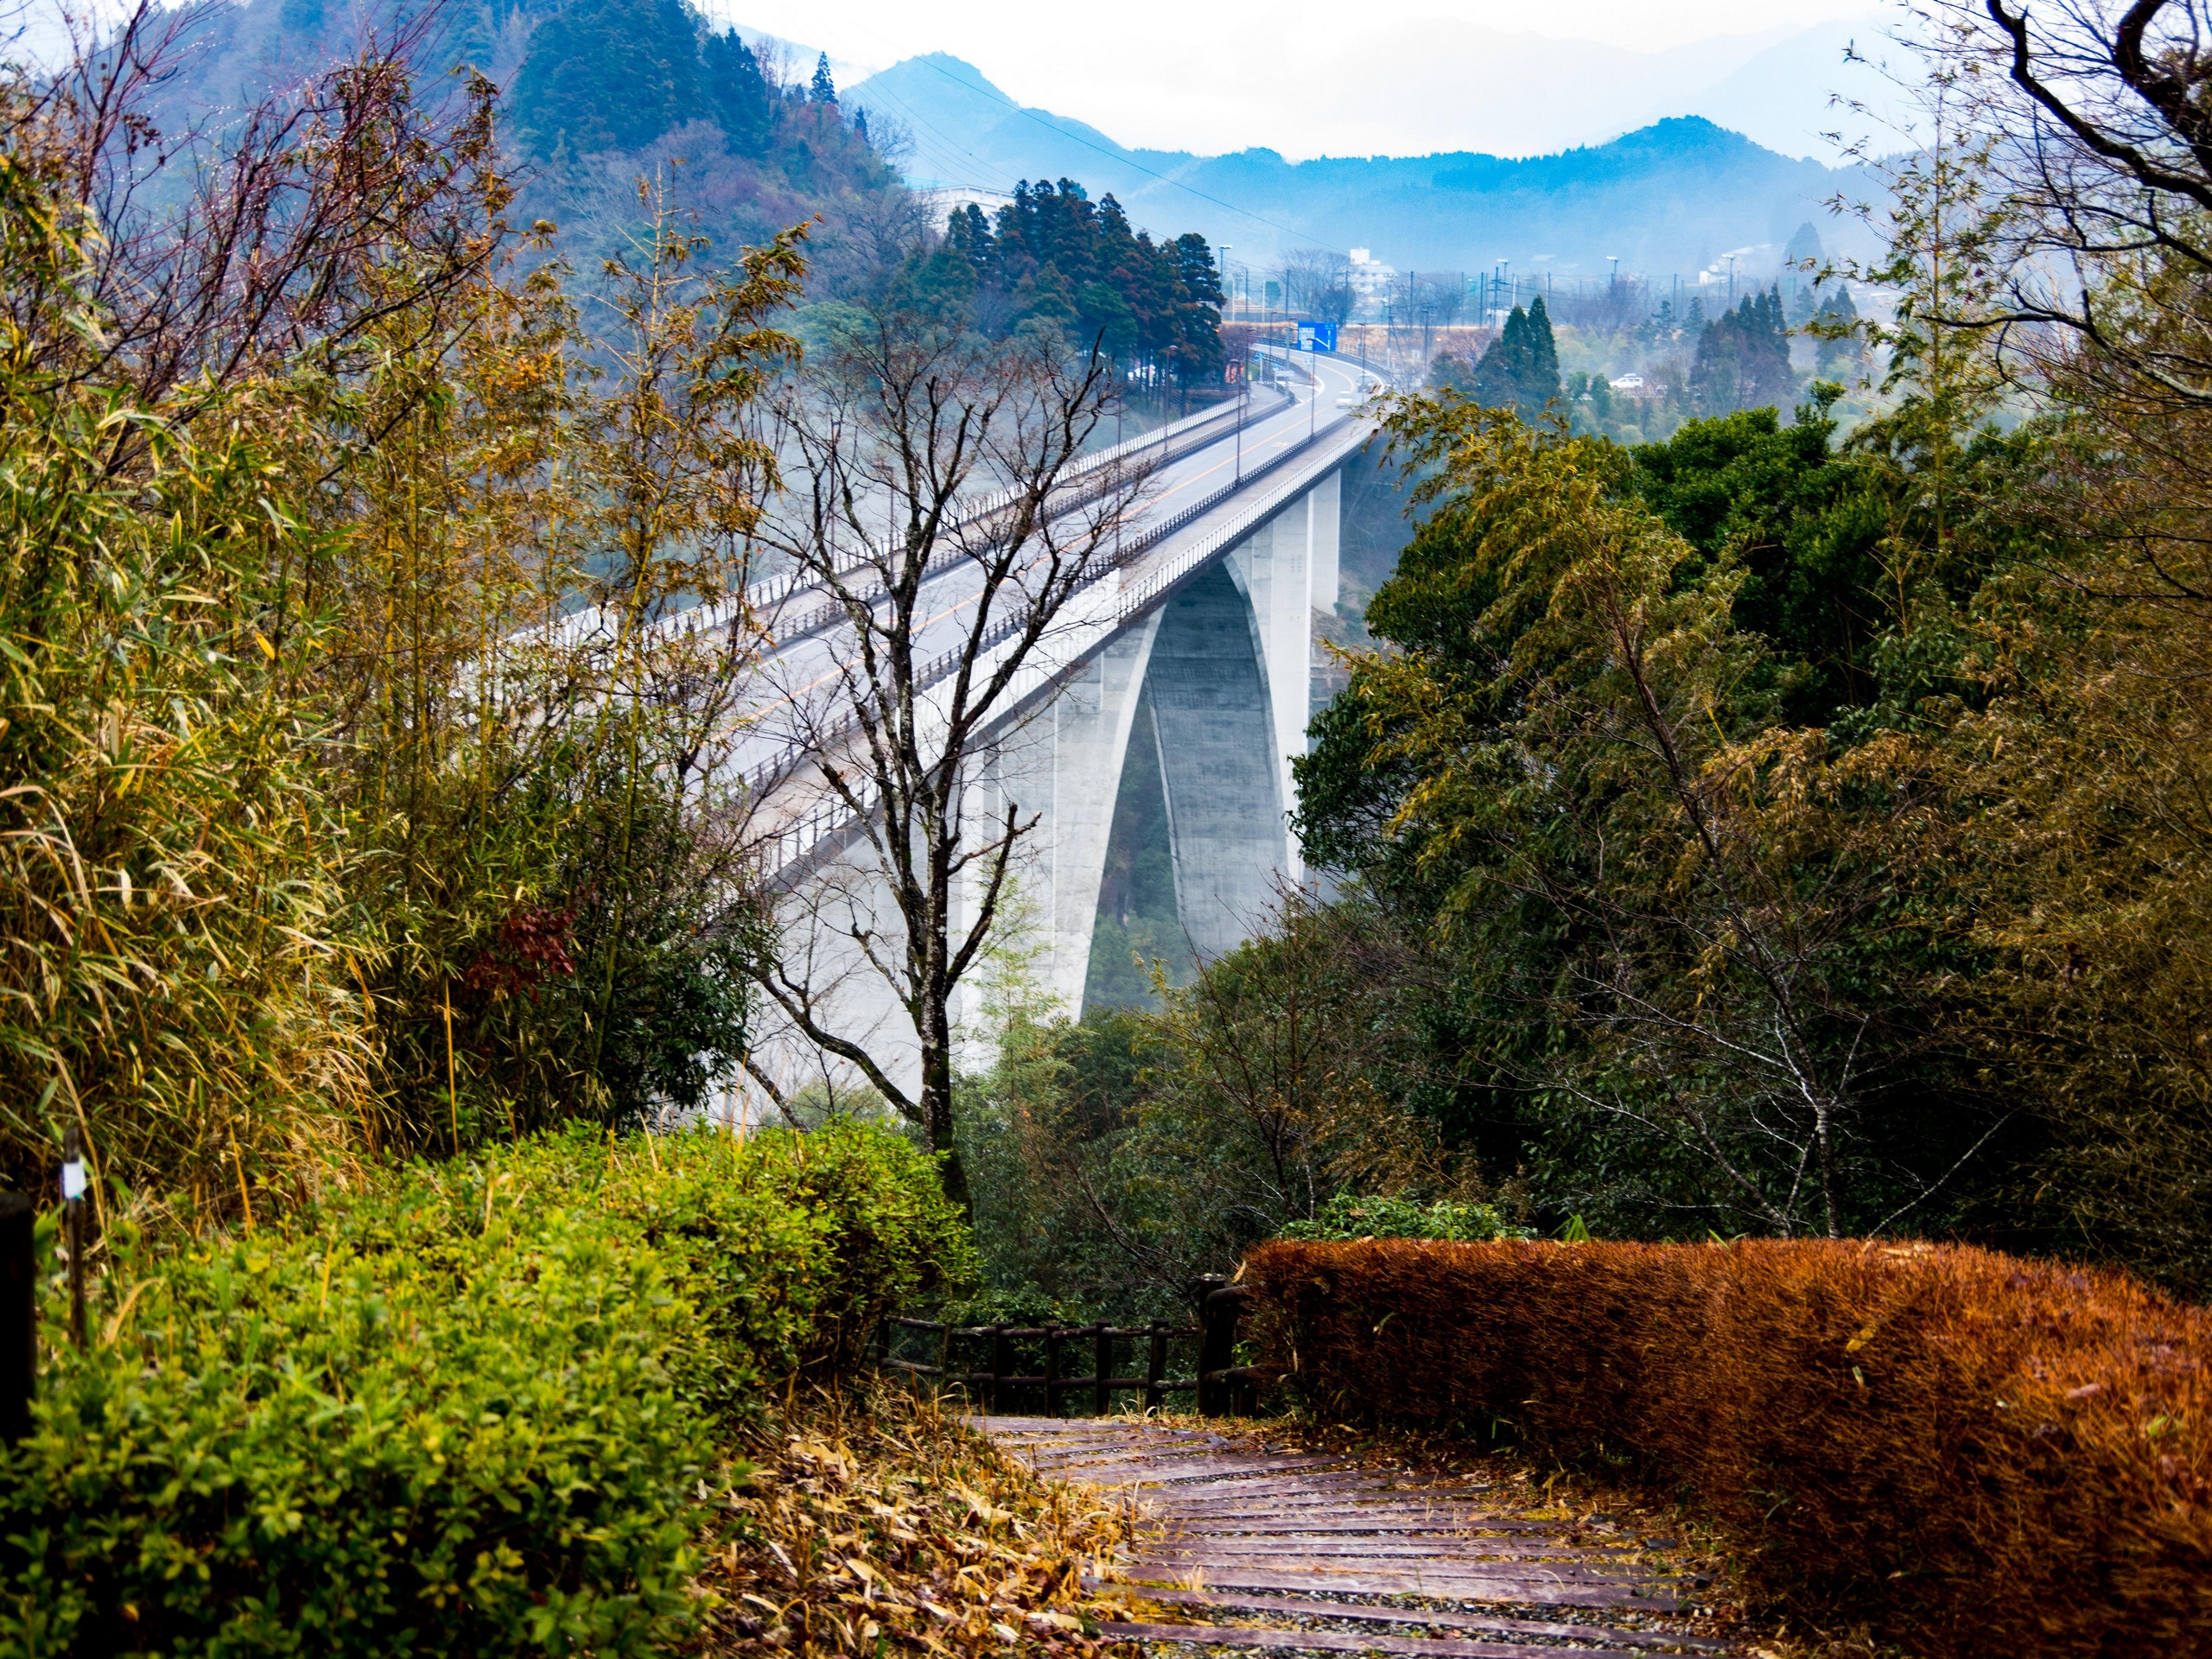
1221, 1385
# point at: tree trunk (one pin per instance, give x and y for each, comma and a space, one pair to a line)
937, 1100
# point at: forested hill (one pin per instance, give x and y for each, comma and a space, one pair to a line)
595, 95
1671, 197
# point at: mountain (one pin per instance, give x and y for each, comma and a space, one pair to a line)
1409, 78
597, 95
1786, 97
1670, 198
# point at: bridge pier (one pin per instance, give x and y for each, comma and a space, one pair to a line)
1094, 719
1217, 731
1289, 568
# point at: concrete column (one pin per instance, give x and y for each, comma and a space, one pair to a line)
1216, 732
1092, 720
1280, 566
1323, 585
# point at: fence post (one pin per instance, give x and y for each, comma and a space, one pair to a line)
1155, 1367
1052, 1370
18, 1316
1101, 1392
945, 1359
1000, 1351
1218, 1313
73, 1221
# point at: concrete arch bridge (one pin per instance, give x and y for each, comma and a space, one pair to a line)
1205, 621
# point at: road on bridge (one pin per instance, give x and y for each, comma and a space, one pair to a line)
802, 676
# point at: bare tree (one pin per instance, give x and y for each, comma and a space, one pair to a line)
1429, 300
291, 236
934, 501
1319, 284
2104, 169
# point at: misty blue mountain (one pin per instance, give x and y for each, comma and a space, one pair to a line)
1672, 197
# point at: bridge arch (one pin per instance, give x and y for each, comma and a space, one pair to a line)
1223, 668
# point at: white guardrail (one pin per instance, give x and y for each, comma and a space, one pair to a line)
1173, 442
1103, 608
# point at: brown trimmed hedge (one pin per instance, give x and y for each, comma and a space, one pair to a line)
1976, 1454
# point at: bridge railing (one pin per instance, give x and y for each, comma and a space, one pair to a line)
1174, 443
1029, 1367
795, 840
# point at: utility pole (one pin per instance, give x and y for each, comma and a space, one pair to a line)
1244, 379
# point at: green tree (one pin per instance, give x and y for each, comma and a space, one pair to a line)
1836, 325
173, 982
1742, 358
1655, 899
610, 74
738, 93
1804, 521
1055, 256
1520, 369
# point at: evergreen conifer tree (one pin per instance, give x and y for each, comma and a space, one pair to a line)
1540, 377
1836, 323
1497, 376
1742, 358
737, 92
824, 90
1520, 370
606, 74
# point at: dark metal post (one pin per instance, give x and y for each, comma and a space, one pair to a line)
1102, 1365
1209, 1350
999, 1366
1217, 1313
73, 1223
1052, 1370
1155, 1367
945, 1357
18, 1316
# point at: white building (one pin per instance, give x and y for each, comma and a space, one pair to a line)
1371, 281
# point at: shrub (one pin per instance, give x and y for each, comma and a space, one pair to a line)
891, 1234
1344, 1217
467, 1411
1978, 1454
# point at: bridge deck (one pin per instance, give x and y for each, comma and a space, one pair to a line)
1258, 1547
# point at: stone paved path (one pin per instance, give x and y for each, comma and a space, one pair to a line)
1316, 1553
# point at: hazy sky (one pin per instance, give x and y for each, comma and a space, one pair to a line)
1300, 76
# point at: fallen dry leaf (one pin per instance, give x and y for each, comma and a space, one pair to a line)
877, 1523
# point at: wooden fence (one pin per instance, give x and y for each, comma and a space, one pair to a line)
1024, 1369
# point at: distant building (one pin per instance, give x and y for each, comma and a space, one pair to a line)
1371, 281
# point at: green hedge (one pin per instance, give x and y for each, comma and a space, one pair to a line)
1345, 1219
467, 1411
